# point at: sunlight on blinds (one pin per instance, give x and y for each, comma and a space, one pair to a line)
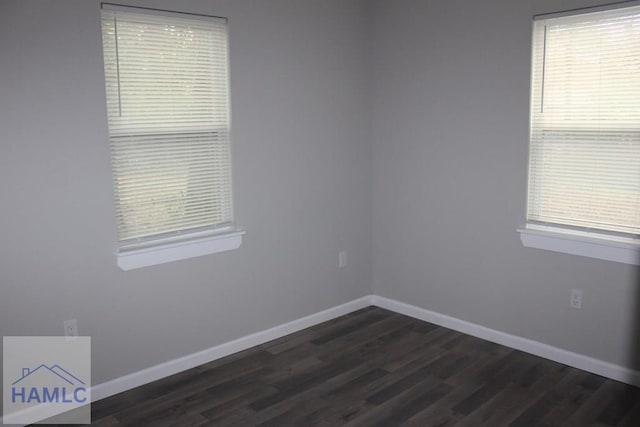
584, 162
168, 113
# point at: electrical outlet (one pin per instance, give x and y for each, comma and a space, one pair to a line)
342, 259
576, 298
71, 328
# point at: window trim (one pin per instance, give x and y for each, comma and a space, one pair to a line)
169, 250
588, 244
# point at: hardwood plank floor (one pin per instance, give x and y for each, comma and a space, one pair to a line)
376, 368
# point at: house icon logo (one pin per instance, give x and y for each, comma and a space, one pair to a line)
46, 379
48, 384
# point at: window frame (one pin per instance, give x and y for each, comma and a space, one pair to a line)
186, 242
562, 238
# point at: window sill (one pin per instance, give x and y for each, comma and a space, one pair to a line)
592, 245
129, 259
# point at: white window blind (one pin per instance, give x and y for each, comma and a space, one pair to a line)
168, 113
584, 161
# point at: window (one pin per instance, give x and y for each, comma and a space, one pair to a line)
584, 158
167, 93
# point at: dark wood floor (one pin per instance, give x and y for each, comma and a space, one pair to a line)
376, 368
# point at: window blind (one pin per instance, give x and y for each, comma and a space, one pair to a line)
167, 96
584, 160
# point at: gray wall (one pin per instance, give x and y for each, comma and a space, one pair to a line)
300, 99
450, 117
435, 140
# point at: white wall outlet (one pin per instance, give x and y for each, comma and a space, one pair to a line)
71, 328
342, 259
576, 298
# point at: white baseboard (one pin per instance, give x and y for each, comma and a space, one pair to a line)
171, 367
589, 364
174, 366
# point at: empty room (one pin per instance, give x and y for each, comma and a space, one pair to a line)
320, 212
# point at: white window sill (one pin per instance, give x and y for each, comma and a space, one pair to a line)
592, 245
129, 259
